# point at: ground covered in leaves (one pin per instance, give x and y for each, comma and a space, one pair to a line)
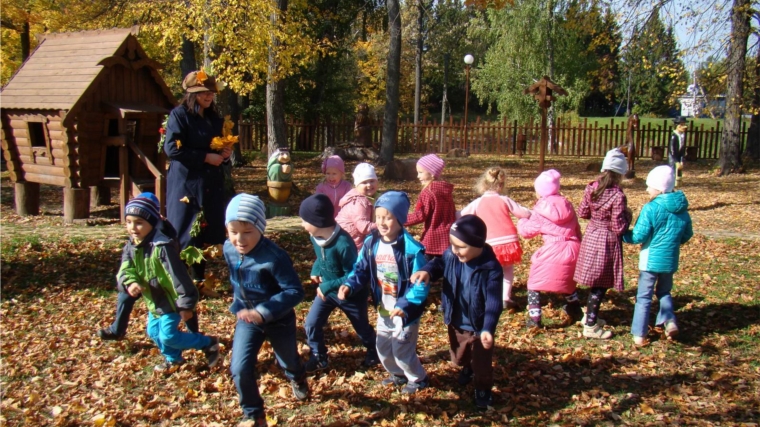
58, 289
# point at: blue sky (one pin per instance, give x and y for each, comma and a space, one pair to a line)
702, 26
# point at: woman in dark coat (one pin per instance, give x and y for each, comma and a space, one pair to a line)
195, 196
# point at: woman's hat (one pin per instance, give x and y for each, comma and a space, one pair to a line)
199, 81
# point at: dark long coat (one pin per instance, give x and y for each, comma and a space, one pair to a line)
191, 177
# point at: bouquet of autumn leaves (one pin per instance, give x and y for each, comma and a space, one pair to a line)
227, 140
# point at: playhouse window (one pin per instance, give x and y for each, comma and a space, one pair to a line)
37, 134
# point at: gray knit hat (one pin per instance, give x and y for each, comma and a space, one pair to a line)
248, 208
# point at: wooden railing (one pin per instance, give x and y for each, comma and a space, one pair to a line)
505, 137
127, 186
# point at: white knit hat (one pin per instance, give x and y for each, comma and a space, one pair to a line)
615, 161
661, 178
363, 172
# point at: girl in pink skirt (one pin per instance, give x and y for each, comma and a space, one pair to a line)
494, 209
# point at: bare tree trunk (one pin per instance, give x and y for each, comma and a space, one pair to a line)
390, 118
730, 147
25, 42
187, 64
276, 130
444, 100
752, 151
418, 68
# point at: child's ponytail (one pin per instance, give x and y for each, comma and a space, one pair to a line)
606, 180
493, 179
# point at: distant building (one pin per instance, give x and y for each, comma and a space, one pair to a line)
694, 103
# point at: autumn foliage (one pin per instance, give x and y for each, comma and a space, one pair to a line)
58, 289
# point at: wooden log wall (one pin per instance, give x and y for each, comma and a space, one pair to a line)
44, 165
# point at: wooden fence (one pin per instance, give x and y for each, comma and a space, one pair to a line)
506, 137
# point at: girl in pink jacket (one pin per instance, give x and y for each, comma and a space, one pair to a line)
494, 209
356, 206
334, 186
553, 264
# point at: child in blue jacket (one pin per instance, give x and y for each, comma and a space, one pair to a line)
662, 227
336, 255
266, 289
471, 300
388, 259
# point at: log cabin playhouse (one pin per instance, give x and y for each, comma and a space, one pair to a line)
83, 113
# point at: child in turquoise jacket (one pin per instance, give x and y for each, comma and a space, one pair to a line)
662, 227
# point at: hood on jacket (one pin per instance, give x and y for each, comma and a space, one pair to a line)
441, 187
350, 197
672, 202
555, 208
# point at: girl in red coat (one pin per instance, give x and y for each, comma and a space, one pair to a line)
600, 261
435, 206
494, 209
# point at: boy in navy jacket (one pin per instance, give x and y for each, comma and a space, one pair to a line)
471, 300
266, 289
336, 255
387, 260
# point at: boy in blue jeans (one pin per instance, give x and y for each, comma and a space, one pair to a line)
471, 297
388, 259
336, 254
151, 266
662, 227
266, 289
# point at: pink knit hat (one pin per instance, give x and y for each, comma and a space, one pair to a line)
432, 164
333, 162
547, 183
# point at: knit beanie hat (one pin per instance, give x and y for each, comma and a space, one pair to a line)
547, 183
363, 172
397, 203
248, 208
333, 162
144, 206
470, 229
432, 164
661, 178
615, 161
318, 211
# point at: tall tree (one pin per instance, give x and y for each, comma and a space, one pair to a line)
276, 128
390, 117
752, 151
730, 146
652, 62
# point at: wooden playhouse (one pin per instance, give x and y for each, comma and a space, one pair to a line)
84, 113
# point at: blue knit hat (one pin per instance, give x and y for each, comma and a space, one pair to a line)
397, 203
144, 206
248, 208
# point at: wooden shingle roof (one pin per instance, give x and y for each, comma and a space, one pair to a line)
61, 69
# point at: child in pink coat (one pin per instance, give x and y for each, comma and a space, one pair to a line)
494, 209
356, 206
553, 264
334, 186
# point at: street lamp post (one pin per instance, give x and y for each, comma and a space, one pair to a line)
468, 60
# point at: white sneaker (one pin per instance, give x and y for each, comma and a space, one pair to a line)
671, 329
640, 341
596, 331
599, 321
